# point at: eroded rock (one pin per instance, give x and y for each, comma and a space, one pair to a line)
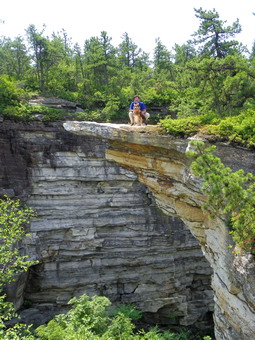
160, 163
98, 229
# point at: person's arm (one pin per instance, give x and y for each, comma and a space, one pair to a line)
143, 108
131, 108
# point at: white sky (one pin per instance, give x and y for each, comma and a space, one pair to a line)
173, 21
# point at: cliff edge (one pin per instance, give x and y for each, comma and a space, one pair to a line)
160, 163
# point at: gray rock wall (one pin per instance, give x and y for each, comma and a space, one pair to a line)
98, 231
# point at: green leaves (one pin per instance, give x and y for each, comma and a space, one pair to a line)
214, 36
89, 320
229, 193
13, 219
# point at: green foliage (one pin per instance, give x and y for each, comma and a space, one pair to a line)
240, 128
13, 219
181, 126
214, 36
189, 125
229, 193
208, 75
219, 86
128, 310
25, 112
89, 320
14, 59
9, 93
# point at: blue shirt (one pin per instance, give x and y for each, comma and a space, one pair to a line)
141, 104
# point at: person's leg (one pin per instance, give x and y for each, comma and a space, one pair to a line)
131, 117
147, 115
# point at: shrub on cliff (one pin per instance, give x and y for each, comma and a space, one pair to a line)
89, 319
229, 193
10, 94
239, 129
13, 218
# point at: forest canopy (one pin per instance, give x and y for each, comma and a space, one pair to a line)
204, 81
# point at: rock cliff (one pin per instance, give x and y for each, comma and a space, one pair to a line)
99, 229
159, 162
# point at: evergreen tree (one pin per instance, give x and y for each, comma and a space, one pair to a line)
39, 46
213, 36
184, 53
128, 52
162, 57
14, 59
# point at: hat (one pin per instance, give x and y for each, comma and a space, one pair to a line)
136, 96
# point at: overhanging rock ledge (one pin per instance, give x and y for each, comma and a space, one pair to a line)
160, 163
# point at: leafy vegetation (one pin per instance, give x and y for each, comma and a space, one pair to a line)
89, 318
205, 81
239, 129
206, 84
13, 218
229, 193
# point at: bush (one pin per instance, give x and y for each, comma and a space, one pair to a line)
182, 126
228, 193
9, 93
25, 112
128, 310
89, 319
240, 128
13, 218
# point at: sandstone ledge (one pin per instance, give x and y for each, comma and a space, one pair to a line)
145, 135
160, 163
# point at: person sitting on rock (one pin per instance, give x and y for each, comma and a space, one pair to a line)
145, 115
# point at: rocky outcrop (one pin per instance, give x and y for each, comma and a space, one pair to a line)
98, 229
160, 163
56, 103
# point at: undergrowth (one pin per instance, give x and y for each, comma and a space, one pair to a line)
231, 193
239, 129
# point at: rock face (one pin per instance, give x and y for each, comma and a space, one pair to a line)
99, 230
56, 103
160, 163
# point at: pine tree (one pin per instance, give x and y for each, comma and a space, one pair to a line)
213, 36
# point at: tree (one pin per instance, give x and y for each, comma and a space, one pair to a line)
98, 57
211, 85
90, 319
213, 36
128, 52
108, 55
13, 219
39, 45
229, 193
10, 95
184, 53
79, 67
162, 57
14, 59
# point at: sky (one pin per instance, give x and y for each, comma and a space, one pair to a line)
173, 21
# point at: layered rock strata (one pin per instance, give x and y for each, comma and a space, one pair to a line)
160, 163
98, 230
